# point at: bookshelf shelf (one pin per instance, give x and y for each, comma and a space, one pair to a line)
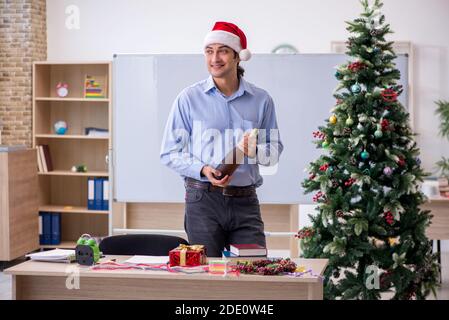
62, 186
72, 99
71, 209
70, 173
70, 136
62, 245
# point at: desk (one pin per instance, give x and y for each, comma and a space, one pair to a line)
44, 280
439, 228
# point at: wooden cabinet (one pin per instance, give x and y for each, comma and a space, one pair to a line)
19, 224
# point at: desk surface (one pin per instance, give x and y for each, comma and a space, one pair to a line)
37, 268
439, 226
438, 199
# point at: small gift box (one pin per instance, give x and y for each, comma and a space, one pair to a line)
188, 256
219, 267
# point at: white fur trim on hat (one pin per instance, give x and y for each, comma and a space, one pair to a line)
245, 55
219, 36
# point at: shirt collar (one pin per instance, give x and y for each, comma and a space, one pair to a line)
246, 87
210, 84
243, 86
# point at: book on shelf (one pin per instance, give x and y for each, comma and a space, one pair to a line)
49, 228
245, 250
40, 165
97, 193
44, 162
105, 200
96, 132
48, 157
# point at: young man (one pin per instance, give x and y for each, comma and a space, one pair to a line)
206, 120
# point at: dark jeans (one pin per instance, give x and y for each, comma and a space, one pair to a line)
215, 220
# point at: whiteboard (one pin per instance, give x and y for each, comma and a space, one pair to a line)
145, 86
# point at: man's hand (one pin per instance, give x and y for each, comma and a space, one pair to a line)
248, 145
209, 173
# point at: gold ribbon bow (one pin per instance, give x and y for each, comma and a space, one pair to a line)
184, 248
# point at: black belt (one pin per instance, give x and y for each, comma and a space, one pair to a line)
230, 191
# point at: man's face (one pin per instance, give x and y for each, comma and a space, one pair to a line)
221, 60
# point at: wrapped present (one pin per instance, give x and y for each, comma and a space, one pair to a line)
218, 266
188, 256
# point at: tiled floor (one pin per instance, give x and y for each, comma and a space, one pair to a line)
443, 292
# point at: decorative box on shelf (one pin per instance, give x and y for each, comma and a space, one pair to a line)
188, 256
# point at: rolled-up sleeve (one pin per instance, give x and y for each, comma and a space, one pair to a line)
269, 145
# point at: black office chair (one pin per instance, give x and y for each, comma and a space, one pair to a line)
140, 244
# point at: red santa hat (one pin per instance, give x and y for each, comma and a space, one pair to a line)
230, 35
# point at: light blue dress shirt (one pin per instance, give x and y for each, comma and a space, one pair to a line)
204, 125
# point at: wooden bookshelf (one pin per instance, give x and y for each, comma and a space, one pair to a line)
66, 136
70, 209
62, 245
62, 190
70, 99
75, 174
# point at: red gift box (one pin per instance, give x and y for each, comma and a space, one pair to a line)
188, 256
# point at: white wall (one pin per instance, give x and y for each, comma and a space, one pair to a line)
178, 26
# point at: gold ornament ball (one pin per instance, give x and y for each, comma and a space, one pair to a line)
333, 119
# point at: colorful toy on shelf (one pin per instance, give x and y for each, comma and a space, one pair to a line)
79, 168
60, 127
62, 89
87, 250
94, 86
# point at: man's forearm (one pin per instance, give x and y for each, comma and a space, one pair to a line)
184, 164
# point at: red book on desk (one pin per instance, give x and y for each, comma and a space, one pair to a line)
245, 250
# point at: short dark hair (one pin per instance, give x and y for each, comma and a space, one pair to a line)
240, 70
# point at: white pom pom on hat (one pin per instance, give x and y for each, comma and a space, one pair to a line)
230, 35
245, 55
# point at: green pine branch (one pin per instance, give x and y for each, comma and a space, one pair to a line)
443, 167
443, 112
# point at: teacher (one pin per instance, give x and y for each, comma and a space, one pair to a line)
206, 121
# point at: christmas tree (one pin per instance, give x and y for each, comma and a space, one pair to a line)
369, 224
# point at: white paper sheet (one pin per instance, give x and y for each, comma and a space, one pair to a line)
148, 260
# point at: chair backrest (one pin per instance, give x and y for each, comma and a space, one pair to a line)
140, 244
